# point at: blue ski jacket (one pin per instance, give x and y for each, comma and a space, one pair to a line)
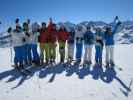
109, 38
89, 38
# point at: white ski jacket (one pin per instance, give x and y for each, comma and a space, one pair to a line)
17, 38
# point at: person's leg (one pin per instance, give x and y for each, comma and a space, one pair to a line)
90, 54
35, 53
96, 54
79, 47
42, 52
100, 55
112, 55
62, 50
70, 51
52, 51
47, 52
86, 54
29, 53
16, 56
107, 55
24, 51
20, 56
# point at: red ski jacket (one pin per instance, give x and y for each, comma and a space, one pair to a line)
62, 36
53, 36
44, 35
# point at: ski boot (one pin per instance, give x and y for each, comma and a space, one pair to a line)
107, 65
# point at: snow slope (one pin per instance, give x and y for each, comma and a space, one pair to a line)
70, 83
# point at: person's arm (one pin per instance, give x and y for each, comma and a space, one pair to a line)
117, 23
116, 27
50, 24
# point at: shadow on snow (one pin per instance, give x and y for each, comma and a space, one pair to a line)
96, 72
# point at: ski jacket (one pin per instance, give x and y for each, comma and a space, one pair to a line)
53, 35
71, 37
89, 38
33, 34
79, 35
109, 38
62, 36
17, 38
44, 36
99, 39
33, 39
27, 36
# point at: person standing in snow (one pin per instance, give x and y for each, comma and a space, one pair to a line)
79, 35
33, 43
71, 45
52, 40
109, 42
62, 38
18, 40
53, 35
27, 46
88, 41
44, 44
98, 47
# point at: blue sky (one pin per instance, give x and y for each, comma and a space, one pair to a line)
64, 10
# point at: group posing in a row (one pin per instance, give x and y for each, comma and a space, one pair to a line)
25, 40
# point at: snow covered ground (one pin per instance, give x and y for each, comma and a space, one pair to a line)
70, 83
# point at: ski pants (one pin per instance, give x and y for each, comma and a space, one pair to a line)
98, 53
46, 47
62, 50
88, 53
71, 50
35, 55
109, 53
52, 50
79, 47
27, 53
18, 57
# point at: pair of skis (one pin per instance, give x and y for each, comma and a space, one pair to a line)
23, 71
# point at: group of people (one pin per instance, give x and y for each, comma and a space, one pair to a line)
28, 37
